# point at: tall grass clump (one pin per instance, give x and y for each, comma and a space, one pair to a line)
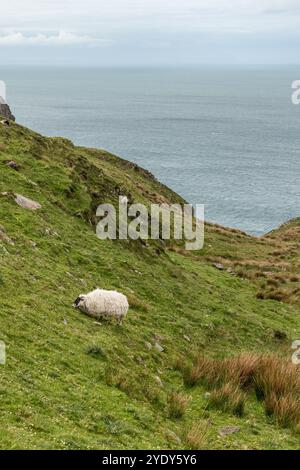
177, 403
274, 380
196, 436
277, 382
285, 410
228, 398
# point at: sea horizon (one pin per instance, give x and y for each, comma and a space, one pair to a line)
227, 141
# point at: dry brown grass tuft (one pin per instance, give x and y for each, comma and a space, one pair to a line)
241, 369
213, 372
228, 398
276, 381
202, 372
278, 376
196, 436
177, 404
285, 410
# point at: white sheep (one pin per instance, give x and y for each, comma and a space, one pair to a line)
103, 304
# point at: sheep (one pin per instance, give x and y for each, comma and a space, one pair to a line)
102, 303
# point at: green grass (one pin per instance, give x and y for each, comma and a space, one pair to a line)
72, 383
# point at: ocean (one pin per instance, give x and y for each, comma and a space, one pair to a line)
228, 138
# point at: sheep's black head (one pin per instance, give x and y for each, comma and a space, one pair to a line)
78, 301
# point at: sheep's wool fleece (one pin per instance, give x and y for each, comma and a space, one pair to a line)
101, 303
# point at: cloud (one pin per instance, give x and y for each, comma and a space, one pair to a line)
61, 38
110, 18
137, 31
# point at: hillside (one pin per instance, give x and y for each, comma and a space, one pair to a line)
70, 382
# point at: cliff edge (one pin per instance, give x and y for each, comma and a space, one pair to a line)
5, 110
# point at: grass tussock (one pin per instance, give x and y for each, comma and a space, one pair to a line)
96, 351
285, 410
228, 398
177, 403
136, 303
196, 436
214, 372
276, 382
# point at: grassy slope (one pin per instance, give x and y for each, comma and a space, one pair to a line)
56, 393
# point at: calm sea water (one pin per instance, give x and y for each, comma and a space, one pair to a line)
228, 138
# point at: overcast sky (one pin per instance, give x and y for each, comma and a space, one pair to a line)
149, 32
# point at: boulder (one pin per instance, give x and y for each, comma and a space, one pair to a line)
227, 430
27, 203
219, 266
158, 381
158, 347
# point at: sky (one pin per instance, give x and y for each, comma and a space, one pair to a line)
149, 32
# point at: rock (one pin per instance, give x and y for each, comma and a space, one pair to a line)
5, 238
33, 183
219, 266
49, 231
158, 381
148, 345
12, 164
5, 110
228, 430
158, 347
27, 203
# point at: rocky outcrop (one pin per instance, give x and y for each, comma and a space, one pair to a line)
5, 110
22, 201
27, 203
